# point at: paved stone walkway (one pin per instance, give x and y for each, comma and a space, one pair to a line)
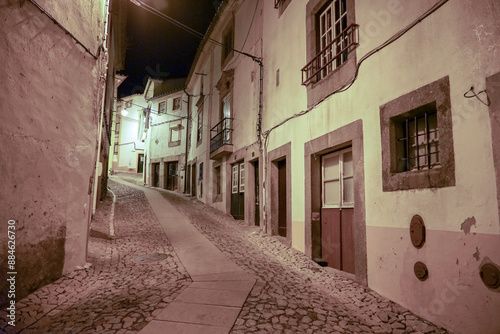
117, 294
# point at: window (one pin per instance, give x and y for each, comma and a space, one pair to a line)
234, 184
175, 136
177, 103
226, 116
117, 128
161, 107
417, 139
200, 176
115, 151
200, 126
337, 180
242, 178
227, 43
332, 37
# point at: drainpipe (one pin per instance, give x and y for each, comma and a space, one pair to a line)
188, 132
261, 147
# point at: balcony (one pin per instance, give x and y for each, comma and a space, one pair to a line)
332, 56
221, 139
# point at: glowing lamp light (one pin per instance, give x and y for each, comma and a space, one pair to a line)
124, 112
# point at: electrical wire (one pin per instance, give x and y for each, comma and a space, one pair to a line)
348, 85
156, 12
67, 31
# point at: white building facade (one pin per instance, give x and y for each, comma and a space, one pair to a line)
166, 133
128, 148
365, 146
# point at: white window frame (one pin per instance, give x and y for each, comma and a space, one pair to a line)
341, 178
242, 177
329, 32
234, 179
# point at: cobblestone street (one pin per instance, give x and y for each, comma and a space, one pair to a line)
118, 293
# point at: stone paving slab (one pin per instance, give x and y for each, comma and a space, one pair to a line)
161, 327
211, 315
200, 257
223, 285
234, 298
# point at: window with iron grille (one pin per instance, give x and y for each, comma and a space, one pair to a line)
418, 140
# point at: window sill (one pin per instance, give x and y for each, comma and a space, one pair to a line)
333, 81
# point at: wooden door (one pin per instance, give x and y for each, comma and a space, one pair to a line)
282, 207
193, 180
171, 179
140, 163
337, 210
156, 174
238, 191
256, 192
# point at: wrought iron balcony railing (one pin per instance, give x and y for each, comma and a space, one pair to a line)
332, 56
221, 134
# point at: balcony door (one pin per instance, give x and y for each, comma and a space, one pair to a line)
226, 118
238, 190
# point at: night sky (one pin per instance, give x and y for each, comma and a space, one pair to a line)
158, 48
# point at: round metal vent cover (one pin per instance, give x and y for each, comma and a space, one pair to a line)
421, 271
490, 275
417, 231
149, 258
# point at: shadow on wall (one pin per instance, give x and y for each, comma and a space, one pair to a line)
36, 265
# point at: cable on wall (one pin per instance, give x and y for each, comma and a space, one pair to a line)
356, 72
67, 31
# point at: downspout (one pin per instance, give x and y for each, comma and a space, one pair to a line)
259, 140
188, 132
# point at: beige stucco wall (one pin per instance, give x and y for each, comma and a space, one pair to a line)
48, 129
459, 40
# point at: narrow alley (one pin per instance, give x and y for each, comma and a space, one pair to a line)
137, 274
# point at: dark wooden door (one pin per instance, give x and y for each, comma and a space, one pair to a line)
282, 198
156, 175
238, 191
193, 180
171, 179
337, 211
256, 191
140, 163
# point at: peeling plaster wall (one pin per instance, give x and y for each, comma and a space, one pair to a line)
460, 40
48, 130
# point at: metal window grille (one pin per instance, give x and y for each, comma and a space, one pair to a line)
419, 144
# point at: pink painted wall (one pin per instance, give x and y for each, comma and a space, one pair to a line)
48, 130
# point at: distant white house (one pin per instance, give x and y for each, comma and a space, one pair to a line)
128, 148
166, 133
